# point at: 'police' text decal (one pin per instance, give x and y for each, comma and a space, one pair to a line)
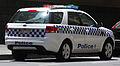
86, 46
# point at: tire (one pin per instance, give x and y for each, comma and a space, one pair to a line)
19, 55
107, 51
64, 52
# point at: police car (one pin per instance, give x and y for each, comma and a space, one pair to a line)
60, 30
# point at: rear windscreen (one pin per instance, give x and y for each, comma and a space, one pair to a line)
37, 17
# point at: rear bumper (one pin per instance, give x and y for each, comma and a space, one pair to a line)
23, 47
33, 49
49, 43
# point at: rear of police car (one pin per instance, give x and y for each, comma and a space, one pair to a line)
45, 30
32, 29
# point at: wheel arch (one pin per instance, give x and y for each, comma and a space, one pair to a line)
109, 39
68, 41
102, 54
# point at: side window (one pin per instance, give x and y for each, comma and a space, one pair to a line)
73, 19
55, 17
86, 20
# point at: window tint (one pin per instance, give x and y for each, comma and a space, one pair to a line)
29, 17
86, 20
55, 17
73, 18
37, 17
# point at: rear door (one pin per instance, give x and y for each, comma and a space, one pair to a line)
76, 30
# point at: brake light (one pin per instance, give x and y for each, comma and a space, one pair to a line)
32, 10
6, 27
102, 33
114, 26
51, 29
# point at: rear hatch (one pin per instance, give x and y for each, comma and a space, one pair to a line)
32, 23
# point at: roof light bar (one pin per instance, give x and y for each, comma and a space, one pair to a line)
62, 6
47, 5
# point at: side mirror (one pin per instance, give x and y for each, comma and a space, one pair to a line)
101, 24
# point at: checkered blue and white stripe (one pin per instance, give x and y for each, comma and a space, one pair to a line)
61, 29
81, 30
31, 33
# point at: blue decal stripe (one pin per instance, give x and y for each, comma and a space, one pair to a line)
80, 30
61, 29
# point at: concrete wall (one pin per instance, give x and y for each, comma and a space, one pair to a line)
105, 11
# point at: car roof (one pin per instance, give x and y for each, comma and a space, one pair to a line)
54, 10
49, 9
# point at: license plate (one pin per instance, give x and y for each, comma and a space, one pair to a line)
23, 43
25, 31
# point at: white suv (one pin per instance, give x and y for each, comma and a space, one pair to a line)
61, 31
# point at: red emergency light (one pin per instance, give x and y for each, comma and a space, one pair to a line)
47, 5
32, 10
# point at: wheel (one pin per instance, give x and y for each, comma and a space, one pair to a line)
107, 51
19, 55
64, 52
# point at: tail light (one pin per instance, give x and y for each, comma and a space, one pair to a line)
51, 29
6, 27
102, 33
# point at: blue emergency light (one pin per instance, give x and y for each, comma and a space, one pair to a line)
72, 6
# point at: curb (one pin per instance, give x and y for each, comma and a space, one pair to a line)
4, 50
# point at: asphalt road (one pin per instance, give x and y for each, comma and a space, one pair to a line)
76, 61
7, 60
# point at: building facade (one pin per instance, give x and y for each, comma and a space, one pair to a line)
106, 11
